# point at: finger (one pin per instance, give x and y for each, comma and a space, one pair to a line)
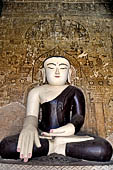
29, 155
45, 134
18, 149
25, 159
21, 156
37, 141
53, 134
23, 146
19, 143
57, 134
30, 148
26, 147
58, 130
45, 137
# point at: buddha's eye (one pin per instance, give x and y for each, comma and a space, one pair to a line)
63, 68
50, 67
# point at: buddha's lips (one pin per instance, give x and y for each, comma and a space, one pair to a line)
57, 76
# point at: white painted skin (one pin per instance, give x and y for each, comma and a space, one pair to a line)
57, 72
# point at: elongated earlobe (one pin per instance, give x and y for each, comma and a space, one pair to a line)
69, 76
43, 75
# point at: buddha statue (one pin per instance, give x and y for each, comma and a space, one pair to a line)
63, 113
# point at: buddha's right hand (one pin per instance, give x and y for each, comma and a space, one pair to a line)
28, 136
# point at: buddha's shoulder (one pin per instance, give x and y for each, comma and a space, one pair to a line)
77, 89
38, 89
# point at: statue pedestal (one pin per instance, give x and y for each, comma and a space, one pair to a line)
55, 162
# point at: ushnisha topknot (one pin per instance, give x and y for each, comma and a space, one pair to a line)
56, 57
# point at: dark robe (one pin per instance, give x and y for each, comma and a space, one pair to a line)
68, 107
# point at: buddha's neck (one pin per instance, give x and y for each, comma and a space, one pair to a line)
57, 86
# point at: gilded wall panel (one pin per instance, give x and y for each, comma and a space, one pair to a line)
30, 32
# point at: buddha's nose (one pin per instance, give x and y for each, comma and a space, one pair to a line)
57, 71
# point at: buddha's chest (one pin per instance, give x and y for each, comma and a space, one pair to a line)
49, 94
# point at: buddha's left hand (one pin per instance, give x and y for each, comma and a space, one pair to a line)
66, 130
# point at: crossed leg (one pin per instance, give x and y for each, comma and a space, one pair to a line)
93, 150
8, 148
97, 149
82, 147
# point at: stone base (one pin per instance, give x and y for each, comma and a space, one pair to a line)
30, 167
54, 162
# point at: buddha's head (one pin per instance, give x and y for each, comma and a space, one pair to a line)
56, 70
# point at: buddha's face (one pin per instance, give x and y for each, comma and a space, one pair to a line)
56, 69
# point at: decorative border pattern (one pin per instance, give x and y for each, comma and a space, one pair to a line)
30, 167
74, 8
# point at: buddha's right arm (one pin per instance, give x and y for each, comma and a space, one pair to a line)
29, 134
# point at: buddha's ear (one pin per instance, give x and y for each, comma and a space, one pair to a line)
69, 75
43, 75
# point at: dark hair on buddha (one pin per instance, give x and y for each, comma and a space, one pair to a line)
56, 57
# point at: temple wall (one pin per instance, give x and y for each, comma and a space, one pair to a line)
31, 30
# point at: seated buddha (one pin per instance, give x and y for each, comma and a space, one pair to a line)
63, 114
